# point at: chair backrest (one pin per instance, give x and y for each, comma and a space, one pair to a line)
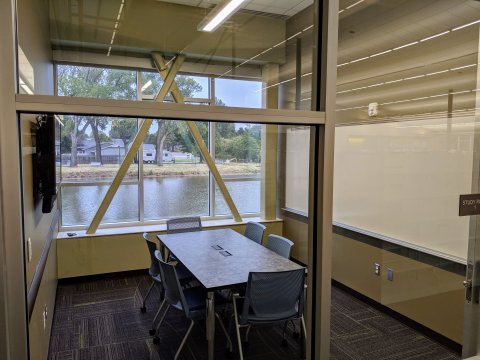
173, 290
273, 296
152, 247
279, 244
254, 231
184, 224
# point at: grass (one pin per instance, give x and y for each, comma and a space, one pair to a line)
151, 170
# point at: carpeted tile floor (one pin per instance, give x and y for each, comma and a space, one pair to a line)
98, 318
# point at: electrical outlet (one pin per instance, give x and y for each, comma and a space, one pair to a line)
29, 249
377, 268
389, 274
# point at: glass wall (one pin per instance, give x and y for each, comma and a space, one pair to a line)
269, 43
405, 150
172, 173
92, 149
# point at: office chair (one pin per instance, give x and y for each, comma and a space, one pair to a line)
181, 225
154, 270
254, 231
192, 301
282, 246
184, 224
271, 297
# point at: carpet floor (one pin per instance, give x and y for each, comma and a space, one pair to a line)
98, 318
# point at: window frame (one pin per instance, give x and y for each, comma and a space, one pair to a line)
212, 206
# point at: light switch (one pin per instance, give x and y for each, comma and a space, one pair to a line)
389, 274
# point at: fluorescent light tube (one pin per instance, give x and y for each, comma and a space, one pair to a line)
219, 14
146, 85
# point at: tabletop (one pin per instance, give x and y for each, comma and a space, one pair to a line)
223, 258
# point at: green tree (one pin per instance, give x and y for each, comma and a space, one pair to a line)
165, 129
124, 129
243, 147
100, 83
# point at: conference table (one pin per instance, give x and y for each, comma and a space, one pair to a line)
221, 259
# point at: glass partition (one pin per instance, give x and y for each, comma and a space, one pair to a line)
111, 35
405, 150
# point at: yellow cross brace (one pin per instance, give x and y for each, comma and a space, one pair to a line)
137, 141
178, 97
169, 85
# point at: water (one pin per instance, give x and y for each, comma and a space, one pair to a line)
164, 198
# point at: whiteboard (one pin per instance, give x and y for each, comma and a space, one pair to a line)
297, 164
402, 180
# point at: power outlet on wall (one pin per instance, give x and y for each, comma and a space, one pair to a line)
376, 267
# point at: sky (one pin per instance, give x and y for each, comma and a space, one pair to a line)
239, 93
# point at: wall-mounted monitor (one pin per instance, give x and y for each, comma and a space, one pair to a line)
44, 178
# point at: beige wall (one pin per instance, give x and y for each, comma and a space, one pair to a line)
89, 255
37, 228
39, 335
37, 70
34, 40
424, 293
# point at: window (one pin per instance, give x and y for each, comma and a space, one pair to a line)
169, 176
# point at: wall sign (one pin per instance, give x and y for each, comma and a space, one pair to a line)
469, 205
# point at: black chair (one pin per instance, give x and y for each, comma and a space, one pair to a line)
192, 301
270, 297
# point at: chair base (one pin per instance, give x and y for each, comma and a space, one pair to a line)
143, 309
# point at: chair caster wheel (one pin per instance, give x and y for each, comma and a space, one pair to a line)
152, 331
143, 309
296, 334
156, 340
284, 343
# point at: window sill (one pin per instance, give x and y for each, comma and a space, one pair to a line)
157, 228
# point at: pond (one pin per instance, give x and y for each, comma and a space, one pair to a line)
165, 197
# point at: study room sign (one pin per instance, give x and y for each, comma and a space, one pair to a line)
469, 205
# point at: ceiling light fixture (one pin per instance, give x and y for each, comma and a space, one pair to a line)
146, 85
219, 15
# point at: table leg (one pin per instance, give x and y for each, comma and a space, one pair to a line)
210, 323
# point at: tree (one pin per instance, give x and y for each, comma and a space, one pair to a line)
75, 127
81, 81
97, 124
243, 146
124, 129
165, 129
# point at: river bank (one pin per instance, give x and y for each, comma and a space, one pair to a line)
152, 170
